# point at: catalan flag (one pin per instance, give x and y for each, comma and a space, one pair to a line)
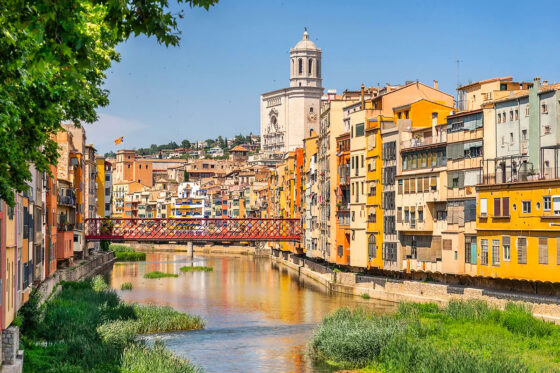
119, 140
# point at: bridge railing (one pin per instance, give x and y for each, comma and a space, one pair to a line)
192, 229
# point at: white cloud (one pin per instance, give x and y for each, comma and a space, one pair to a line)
103, 133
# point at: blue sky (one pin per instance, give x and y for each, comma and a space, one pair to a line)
210, 85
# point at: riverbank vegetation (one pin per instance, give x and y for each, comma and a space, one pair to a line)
158, 274
127, 254
462, 337
126, 286
196, 269
82, 329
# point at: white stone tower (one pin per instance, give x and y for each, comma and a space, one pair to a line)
305, 64
288, 115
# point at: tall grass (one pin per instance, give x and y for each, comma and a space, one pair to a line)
465, 336
86, 328
158, 274
126, 286
196, 269
138, 358
120, 248
130, 256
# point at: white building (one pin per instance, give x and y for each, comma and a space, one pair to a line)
288, 115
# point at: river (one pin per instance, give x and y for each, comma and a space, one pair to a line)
259, 315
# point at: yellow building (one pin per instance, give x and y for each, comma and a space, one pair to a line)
518, 230
421, 184
310, 191
375, 192
104, 186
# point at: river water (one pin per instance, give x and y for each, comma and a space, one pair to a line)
259, 315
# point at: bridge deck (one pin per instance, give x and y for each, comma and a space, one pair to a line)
192, 229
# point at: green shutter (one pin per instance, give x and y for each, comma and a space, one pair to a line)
473, 251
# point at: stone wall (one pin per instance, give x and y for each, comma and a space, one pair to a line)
397, 290
10, 345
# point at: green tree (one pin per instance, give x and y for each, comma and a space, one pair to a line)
55, 55
186, 144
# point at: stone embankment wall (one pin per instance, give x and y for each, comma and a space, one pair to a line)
393, 290
258, 250
95, 264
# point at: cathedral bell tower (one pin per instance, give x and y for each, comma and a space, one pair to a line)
305, 64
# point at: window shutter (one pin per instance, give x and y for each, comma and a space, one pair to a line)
433, 181
505, 206
426, 184
543, 250
497, 203
399, 220
558, 251
406, 184
483, 206
447, 244
522, 250
461, 179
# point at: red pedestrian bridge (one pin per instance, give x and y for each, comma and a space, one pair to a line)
192, 229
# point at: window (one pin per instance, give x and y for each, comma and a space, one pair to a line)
310, 66
484, 252
506, 248
524, 135
340, 250
362, 161
495, 252
468, 249
406, 215
499, 118
372, 247
516, 114
359, 130
505, 206
511, 115
543, 250
420, 215
546, 203
527, 110
544, 107
522, 250
400, 188
526, 207
300, 63
511, 137
497, 207
483, 207
556, 205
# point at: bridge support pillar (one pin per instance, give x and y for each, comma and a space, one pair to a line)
190, 248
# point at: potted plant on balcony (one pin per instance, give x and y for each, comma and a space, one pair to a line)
106, 227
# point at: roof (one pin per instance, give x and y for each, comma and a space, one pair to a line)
396, 108
239, 148
305, 43
486, 81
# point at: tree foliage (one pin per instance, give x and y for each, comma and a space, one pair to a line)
54, 56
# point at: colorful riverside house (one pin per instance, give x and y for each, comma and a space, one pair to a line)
50, 222
376, 195
518, 209
342, 187
310, 226
422, 183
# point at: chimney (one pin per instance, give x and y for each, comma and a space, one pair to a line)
362, 95
436, 85
544, 82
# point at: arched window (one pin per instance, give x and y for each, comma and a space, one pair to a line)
372, 247
300, 62
310, 66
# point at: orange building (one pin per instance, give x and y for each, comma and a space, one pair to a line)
50, 223
342, 187
130, 168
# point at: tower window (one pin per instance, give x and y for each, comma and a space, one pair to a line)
311, 109
309, 69
300, 68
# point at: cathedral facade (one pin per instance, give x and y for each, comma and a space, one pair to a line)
288, 115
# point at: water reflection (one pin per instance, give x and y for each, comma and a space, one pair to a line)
259, 315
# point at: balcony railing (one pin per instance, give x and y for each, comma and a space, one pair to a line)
417, 142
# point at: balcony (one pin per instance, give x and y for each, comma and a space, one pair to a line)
418, 142
66, 197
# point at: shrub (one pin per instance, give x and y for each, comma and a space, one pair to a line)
120, 248
140, 359
129, 256
126, 286
99, 284
365, 296
158, 274
195, 269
